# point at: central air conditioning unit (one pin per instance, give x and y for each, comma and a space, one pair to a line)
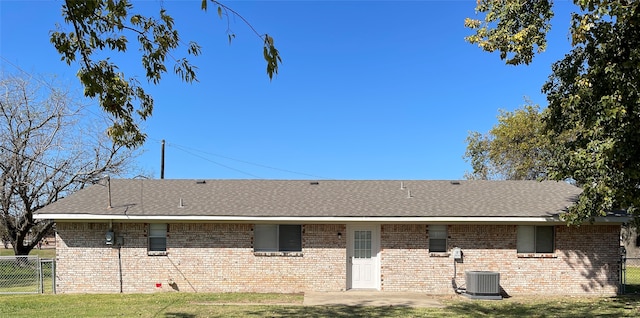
483, 285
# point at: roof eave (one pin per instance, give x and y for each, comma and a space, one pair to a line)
319, 219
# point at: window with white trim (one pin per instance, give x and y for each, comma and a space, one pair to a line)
437, 238
277, 238
157, 237
535, 239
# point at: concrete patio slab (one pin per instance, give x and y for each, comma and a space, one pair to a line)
370, 298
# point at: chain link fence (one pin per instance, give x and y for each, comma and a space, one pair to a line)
630, 277
26, 275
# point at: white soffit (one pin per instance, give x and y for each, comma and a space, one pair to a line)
267, 219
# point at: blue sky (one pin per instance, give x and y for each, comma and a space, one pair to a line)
367, 89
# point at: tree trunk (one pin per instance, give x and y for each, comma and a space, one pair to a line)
21, 250
35, 234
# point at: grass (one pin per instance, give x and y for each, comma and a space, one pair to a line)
191, 305
633, 280
286, 305
49, 253
24, 278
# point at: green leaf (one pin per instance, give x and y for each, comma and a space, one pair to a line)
101, 29
516, 29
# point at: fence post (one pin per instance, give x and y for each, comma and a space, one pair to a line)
53, 276
623, 274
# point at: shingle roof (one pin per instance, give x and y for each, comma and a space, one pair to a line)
324, 198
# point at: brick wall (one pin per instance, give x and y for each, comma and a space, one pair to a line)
203, 257
585, 261
212, 257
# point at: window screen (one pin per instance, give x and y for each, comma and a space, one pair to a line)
157, 237
526, 242
437, 238
265, 237
535, 239
277, 238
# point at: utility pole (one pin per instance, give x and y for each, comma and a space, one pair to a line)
162, 161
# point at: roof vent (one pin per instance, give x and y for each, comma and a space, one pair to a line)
201, 181
314, 183
455, 182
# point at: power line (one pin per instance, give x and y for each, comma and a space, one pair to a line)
36, 161
31, 159
217, 163
191, 150
186, 149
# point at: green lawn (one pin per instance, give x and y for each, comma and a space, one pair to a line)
43, 253
633, 280
285, 305
23, 278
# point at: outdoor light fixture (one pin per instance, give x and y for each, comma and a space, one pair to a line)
109, 238
339, 235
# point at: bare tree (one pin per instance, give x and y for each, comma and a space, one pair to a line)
47, 151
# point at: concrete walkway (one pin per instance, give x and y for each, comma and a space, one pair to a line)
370, 298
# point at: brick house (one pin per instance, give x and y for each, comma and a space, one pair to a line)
296, 236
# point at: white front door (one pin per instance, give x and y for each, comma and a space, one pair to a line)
363, 256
